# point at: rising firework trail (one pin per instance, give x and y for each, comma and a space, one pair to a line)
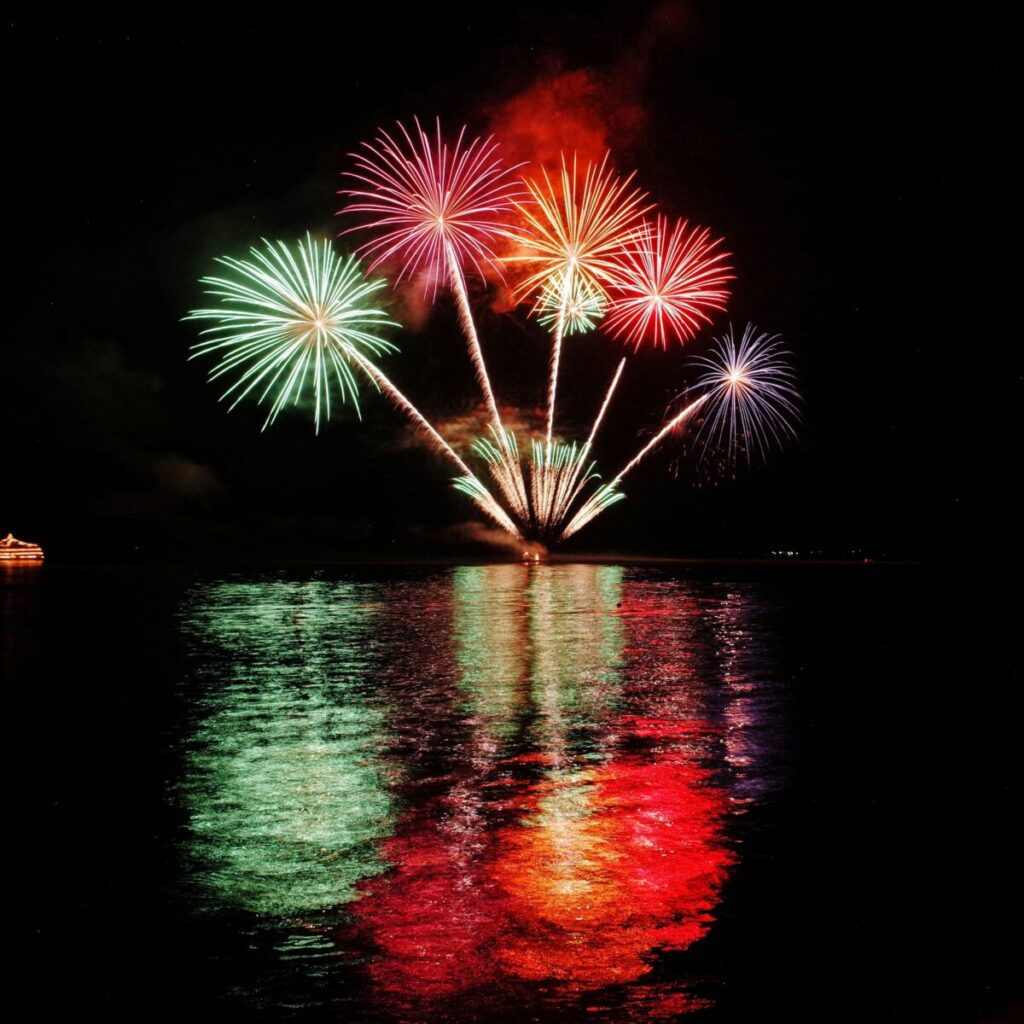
573, 231
435, 208
599, 501
558, 474
607, 401
747, 396
573, 477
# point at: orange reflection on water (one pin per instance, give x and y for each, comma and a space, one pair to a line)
596, 869
613, 863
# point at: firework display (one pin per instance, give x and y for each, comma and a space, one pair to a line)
577, 251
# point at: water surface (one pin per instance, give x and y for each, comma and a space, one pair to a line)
489, 792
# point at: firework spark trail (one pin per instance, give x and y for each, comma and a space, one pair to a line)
502, 459
571, 481
604, 497
750, 397
554, 472
284, 318
484, 499
572, 233
512, 483
677, 421
558, 472
458, 283
606, 402
668, 282
552, 466
572, 484
556, 352
289, 318
597, 502
503, 463
436, 209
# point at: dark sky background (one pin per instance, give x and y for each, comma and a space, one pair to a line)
859, 166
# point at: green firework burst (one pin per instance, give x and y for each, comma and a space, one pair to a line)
291, 316
584, 308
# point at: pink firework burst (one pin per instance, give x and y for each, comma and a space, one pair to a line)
434, 207
668, 281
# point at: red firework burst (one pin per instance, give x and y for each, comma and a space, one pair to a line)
667, 282
431, 203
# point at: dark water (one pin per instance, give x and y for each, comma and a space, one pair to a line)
557, 792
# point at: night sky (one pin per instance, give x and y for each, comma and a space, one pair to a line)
858, 166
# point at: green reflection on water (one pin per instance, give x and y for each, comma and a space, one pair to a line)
539, 648
577, 636
489, 617
285, 788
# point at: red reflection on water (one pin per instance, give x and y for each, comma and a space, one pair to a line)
433, 917
576, 879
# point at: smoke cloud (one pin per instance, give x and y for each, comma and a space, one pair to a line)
587, 111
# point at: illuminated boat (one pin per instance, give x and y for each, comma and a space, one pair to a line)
14, 550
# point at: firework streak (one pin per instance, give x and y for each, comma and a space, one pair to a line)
295, 318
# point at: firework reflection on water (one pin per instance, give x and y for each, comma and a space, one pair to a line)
447, 794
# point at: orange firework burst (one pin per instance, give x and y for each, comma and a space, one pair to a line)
573, 229
572, 234
668, 281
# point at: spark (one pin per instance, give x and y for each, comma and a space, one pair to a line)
558, 475
574, 229
294, 317
603, 497
668, 281
748, 400
287, 315
431, 203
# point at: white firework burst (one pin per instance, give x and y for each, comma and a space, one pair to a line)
752, 400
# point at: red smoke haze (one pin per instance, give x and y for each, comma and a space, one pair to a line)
566, 111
